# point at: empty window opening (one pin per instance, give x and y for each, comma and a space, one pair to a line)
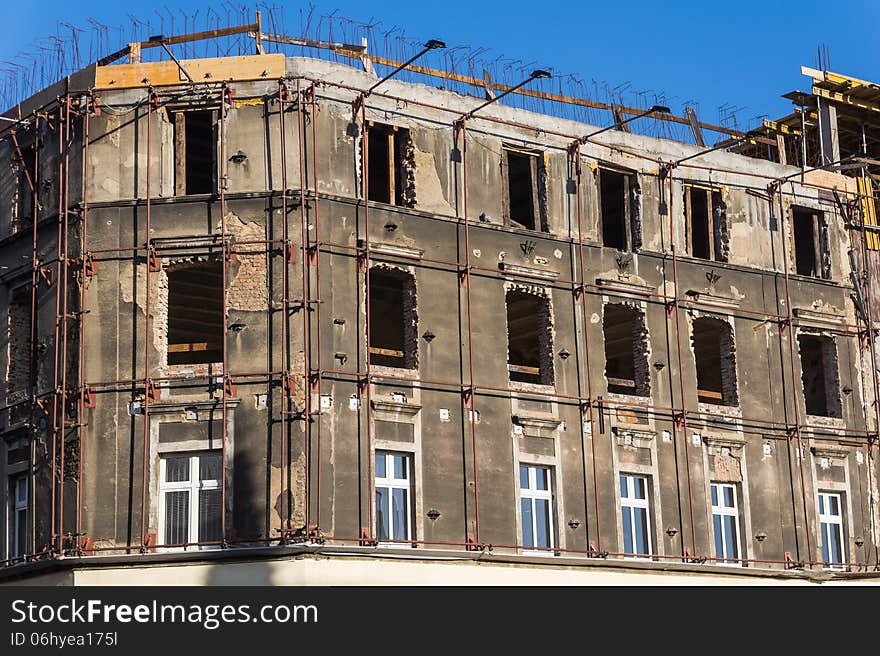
819, 375
195, 314
18, 374
393, 320
705, 214
524, 196
27, 171
715, 356
619, 210
391, 161
529, 345
626, 346
195, 160
810, 242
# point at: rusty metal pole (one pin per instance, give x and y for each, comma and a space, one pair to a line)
82, 313
285, 306
64, 317
368, 380
675, 308
228, 388
315, 260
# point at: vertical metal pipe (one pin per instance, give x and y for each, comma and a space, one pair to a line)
687, 460
285, 304
32, 383
64, 288
365, 176
317, 265
783, 233
306, 301
82, 313
147, 322
471, 395
59, 256
583, 303
227, 379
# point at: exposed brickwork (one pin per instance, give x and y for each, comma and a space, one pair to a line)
18, 373
248, 281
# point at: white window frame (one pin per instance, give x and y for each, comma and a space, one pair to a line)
194, 485
636, 504
726, 511
15, 505
389, 482
532, 494
826, 523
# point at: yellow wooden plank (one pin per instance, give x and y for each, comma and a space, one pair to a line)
165, 73
869, 212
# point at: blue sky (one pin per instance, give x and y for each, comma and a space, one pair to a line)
743, 55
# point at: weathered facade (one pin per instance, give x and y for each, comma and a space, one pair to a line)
262, 309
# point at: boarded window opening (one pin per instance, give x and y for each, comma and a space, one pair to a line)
390, 157
393, 319
626, 348
524, 198
810, 234
529, 345
705, 214
715, 356
195, 314
819, 375
195, 156
619, 210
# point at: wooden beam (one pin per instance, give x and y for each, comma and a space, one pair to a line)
695, 126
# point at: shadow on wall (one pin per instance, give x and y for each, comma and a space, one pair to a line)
240, 573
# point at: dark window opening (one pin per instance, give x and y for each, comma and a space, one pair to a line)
705, 214
529, 347
393, 320
618, 204
715, 356
819, 375
523, 174
195, 152
626, 344
19, 371
195, 314
27, 171
390, 176
810, 234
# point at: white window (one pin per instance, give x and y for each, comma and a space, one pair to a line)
17, 513
393, 496
635, 516
190, 499
536, 506
831, 526
725, 521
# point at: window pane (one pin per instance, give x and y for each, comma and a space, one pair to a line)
639, 487
541, 478
177, 469
542, 519
825, 542
821, 504
21, 490
209, 467
641, 520
623, 486
20, 533
399, 467
719, 536
523, 477
626, 517
728, 496
380, 465
210, 526
398, 509
528, 534
834, 505
731, 547
834, 548
714, 495
382, 513
176, 517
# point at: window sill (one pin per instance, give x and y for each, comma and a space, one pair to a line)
824, 421
538, 388
720, 409
394, 372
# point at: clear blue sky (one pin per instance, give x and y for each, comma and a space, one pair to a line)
743, 54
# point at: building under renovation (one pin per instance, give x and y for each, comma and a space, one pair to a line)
291, 319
